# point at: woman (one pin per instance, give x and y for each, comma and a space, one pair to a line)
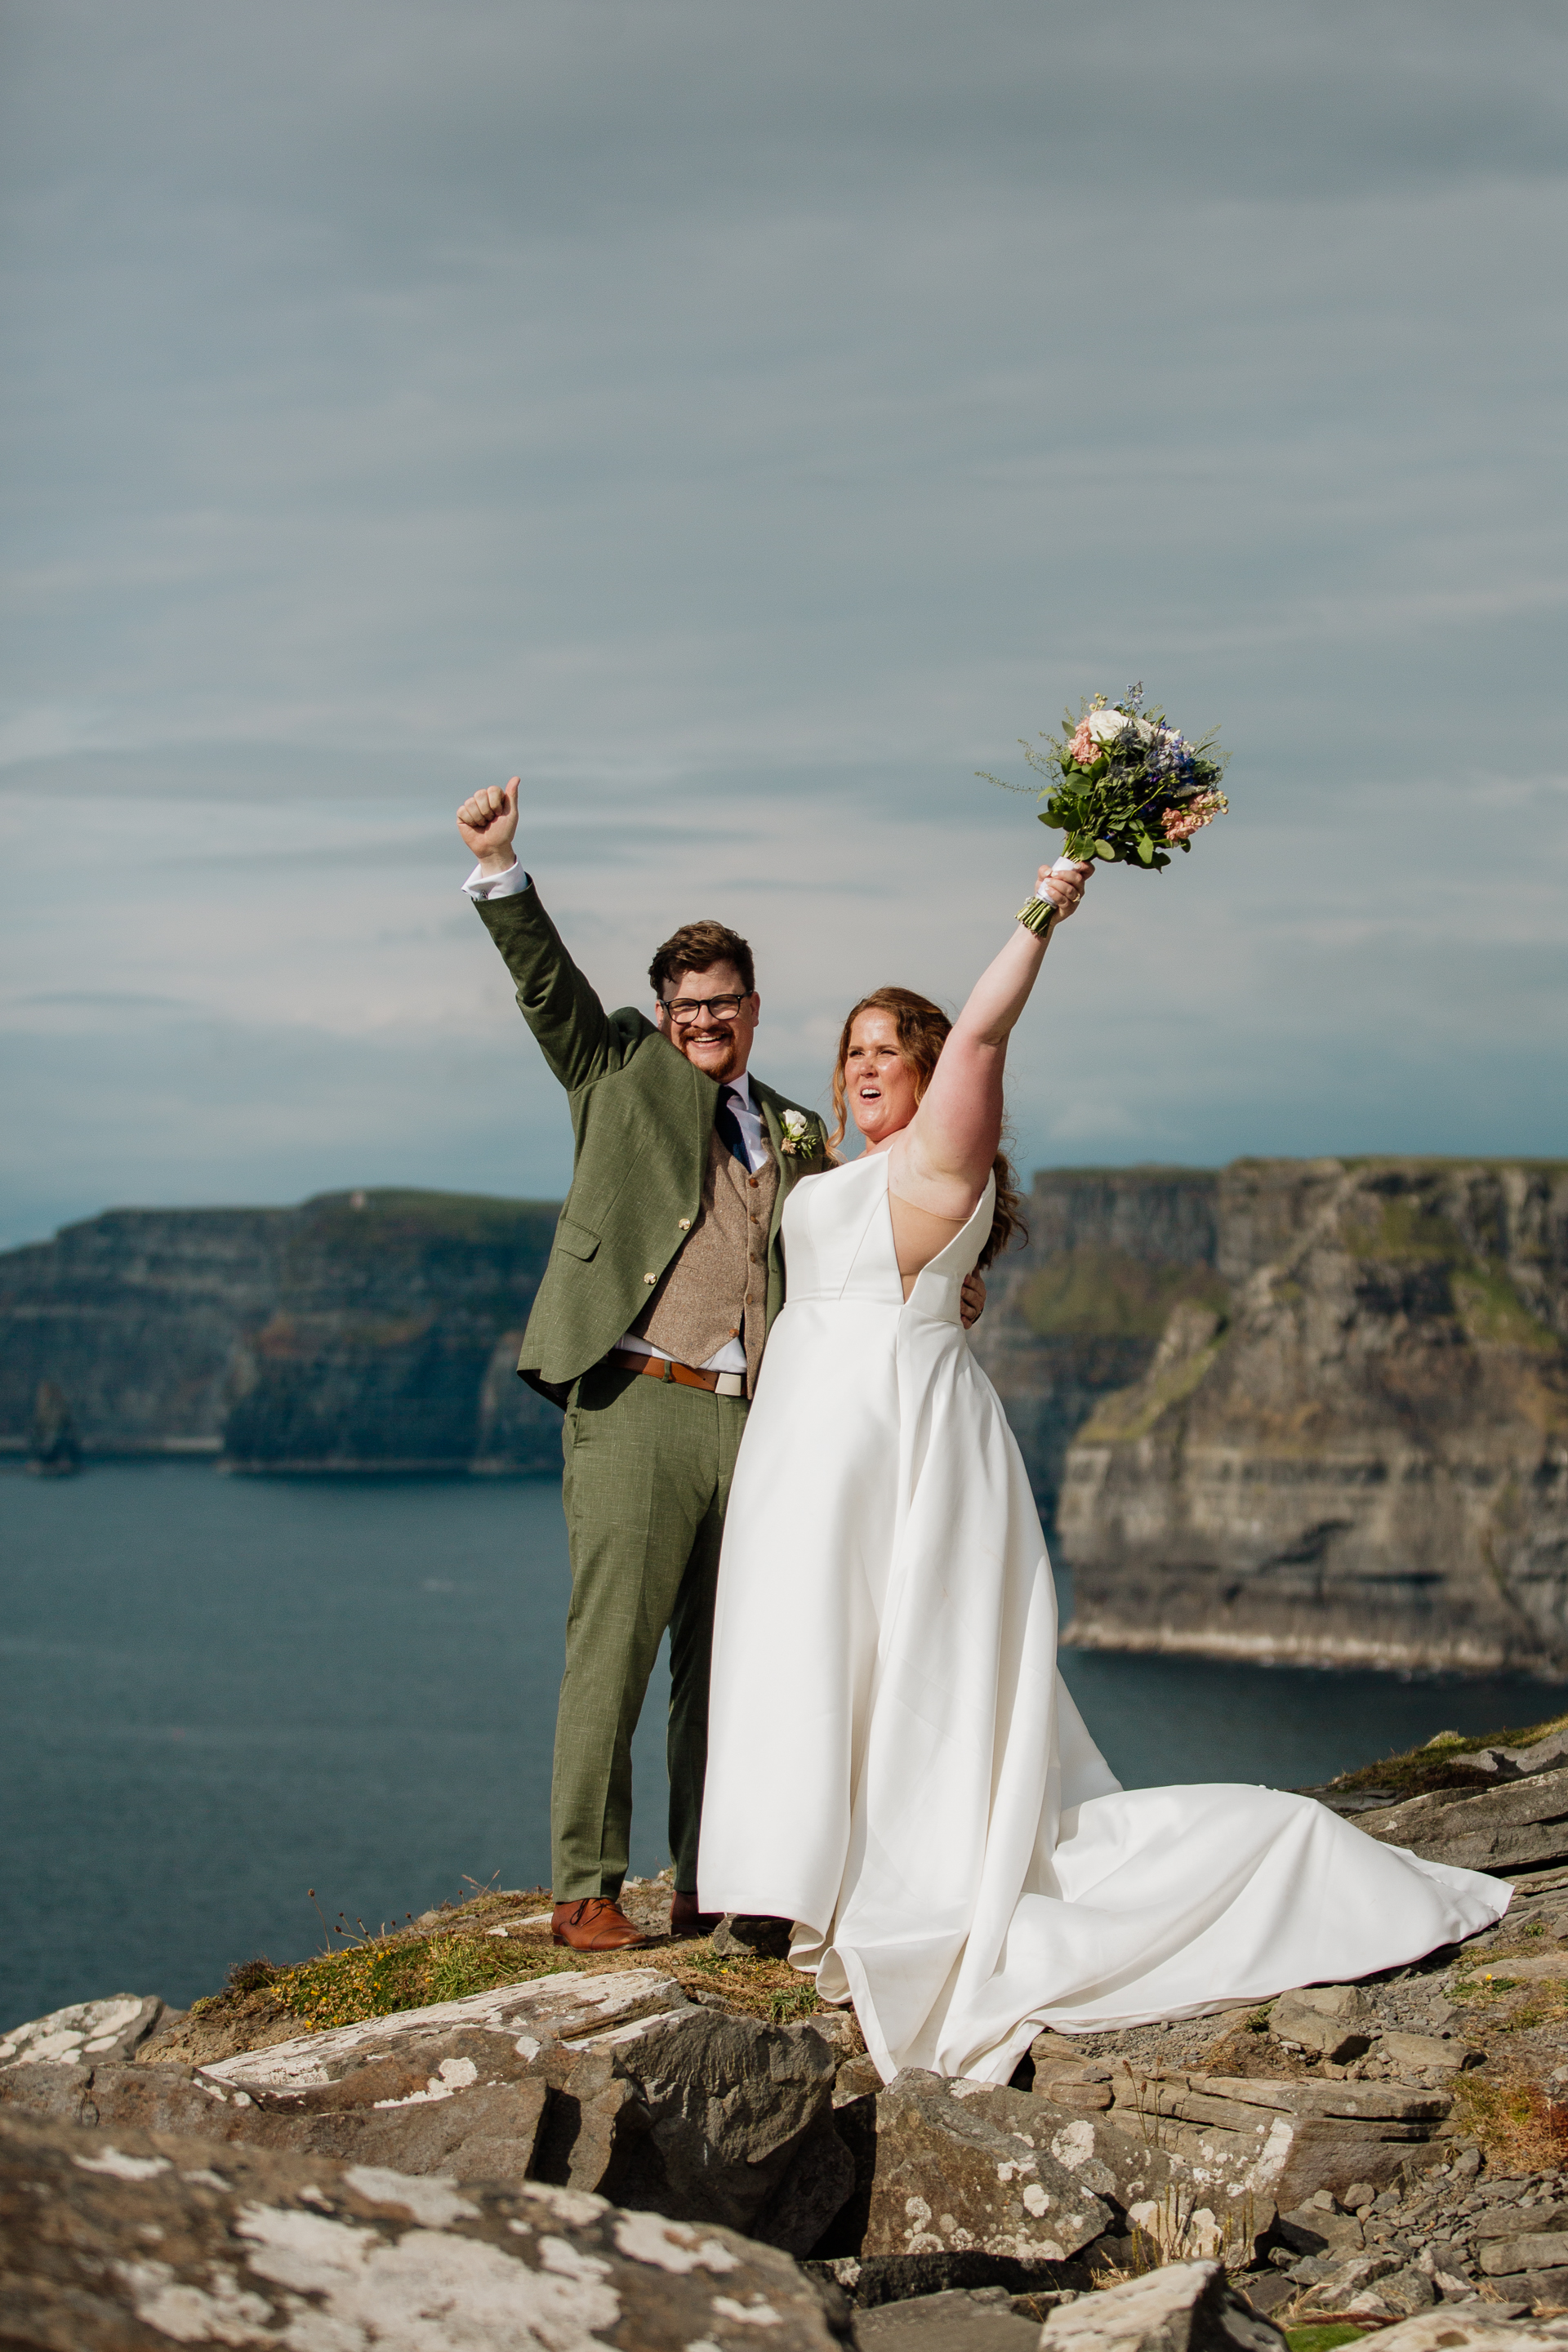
894, 1762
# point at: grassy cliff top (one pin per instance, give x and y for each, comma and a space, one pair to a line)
448, 1954
415, 1215
1441, 1764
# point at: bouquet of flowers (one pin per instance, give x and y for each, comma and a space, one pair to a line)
1125, 787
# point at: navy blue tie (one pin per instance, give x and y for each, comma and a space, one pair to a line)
727, 1126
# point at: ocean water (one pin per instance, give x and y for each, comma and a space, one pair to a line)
218, 1694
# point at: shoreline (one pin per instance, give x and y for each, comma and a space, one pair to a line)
1327, 1652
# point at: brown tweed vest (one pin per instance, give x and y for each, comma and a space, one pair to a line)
717, 1287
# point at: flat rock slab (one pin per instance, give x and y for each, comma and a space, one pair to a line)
1368, 2103
1517, 1827
1531, 2287
582, 2011
108, 2029
1185, 2307
488, 2129
1520, 2221
151, 2240
1541, 1756
1521, 1968
1248, 2135
1530, 2250
958, 2320
1420, 2051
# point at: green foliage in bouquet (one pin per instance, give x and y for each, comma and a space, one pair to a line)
1124, 786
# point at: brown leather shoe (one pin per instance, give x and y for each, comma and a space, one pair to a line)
597, 1924
686, 1920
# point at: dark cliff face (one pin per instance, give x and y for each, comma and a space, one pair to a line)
359, 1331
1357, 1451
134, 1316
1079, 1313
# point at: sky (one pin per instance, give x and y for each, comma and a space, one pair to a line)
746, 423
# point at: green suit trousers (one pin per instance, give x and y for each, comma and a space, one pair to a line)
649, 1467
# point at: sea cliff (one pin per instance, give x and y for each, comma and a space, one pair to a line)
1353, 1448
1292, 1409
361, 1332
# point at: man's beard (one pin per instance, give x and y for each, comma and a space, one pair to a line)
724, 1069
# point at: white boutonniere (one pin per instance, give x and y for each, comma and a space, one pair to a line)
799, 1139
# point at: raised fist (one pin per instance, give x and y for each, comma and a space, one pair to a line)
486, 821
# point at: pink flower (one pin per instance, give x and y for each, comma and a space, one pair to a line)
1083, 747
1181, 823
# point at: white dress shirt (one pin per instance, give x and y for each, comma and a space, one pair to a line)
480, 884
731, 1356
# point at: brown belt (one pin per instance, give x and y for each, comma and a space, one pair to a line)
684, 1376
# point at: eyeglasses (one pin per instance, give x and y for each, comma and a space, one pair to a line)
685, 1009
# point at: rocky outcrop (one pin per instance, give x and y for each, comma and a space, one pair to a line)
1360, 1452
1076, 1314
54, 1450
960, 2168
112, 2029
1347, 2147
1243, 2144
614, 2084
151, 2239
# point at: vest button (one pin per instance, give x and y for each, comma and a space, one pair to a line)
752, 1182
651, 1277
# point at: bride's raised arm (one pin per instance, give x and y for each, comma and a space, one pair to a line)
942, 1159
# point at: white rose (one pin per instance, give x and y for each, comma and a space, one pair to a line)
1105, 726
793, 1123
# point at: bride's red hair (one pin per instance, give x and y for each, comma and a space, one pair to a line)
922, 1031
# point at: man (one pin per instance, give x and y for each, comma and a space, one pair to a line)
649, 1329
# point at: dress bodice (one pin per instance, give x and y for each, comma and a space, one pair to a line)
838, 1243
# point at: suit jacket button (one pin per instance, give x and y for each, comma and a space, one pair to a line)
651, 1277
683, 1224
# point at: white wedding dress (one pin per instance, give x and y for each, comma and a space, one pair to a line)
894, 1762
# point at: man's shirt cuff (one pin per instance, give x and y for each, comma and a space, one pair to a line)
480, 884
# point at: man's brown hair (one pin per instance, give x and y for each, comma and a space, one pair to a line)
697, 945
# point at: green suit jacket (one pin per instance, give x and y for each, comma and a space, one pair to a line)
642, 1120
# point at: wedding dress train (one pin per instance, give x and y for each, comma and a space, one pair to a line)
894, 1762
